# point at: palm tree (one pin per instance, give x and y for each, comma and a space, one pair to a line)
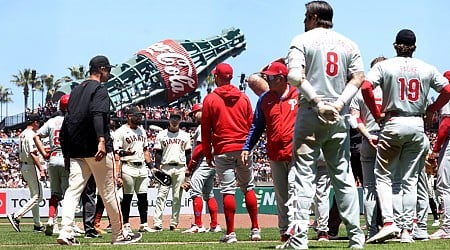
5, 94
22, 80
78, 73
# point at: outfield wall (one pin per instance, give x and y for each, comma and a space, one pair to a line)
12, 199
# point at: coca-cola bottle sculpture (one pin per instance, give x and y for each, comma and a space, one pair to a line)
169, 70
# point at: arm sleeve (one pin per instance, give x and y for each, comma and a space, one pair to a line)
369, 99
443, 98
206, 129
197, 155
187, 154
442, 134
99, 124
158, 158
257, 127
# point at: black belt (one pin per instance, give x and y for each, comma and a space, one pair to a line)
24, 162
138, 163
173, 164
401, 114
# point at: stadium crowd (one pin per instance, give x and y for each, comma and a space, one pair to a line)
10, 175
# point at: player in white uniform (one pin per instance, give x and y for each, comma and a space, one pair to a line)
328, 69
364, 122
32, 172
172, 152
201, 180
402, 147
131, 144
59, 176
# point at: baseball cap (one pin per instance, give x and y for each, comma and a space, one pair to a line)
99, 61
447, 74
406, 37
276, 68
223, 70
33, 117
133, 110
175, 115
195, 108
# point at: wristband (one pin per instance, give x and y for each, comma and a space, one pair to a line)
122, 153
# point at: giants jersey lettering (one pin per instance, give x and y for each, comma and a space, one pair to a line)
26, 146
51, 130
358, 103
173, 146
405, 82
134, 140
328, 53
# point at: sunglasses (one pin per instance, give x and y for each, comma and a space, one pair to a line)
270, 77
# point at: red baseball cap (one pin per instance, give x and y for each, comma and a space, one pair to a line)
276, 68
447, 75
223, 70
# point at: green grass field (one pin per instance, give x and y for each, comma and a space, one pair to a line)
27, 239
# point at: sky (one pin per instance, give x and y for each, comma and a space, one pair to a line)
52, 35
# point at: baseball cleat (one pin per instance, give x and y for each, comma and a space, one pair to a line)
229, 238
128, 239
406, 237
195, 229
255, 234
440, 234
216, 229
386, 233
15, 223
144, 228
67, 241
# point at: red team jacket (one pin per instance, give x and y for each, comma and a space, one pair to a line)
277, 116
226, 119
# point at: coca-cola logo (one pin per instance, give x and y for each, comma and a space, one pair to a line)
175, 65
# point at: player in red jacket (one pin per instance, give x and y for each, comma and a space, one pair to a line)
226, 120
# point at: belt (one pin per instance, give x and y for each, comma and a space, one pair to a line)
134, 163
24, 162
402, 114
173, 164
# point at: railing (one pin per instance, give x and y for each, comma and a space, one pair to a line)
12, 120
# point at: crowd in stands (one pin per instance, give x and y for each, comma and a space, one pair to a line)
10, 175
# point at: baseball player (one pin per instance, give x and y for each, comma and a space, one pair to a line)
328, 69
275, 113
363, 121
59, 177
131, 145
172, 150
226, 119
201, 178
32, 172
402, 147
442, 148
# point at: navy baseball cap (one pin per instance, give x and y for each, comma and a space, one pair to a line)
406, 37
99, 61
133, 110
33, 117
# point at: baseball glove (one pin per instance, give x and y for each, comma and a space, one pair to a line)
186, 185
162, 178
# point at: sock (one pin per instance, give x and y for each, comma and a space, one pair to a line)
125, 206
142, 207
252, 207
213, 211
52, 206
229, 209
198, 207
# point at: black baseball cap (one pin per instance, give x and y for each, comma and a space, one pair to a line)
133, 110
175, 115
99, 61
33, 117
406, 37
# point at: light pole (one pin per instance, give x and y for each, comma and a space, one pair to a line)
43, 78
26, 93
8, 93
33, 82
